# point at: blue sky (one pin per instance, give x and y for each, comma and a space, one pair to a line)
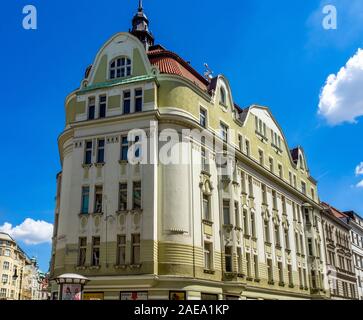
274, 53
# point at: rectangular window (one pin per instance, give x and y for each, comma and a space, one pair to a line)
247, 148
123, 197
281, 272
6, 265
4, 279
206, 208
270, 271
295, 183
85, 200
138, 100
310, 247
101, 151
226, 213
255, 263
245, 223
240, 143
253, 225
305, 278
312, 194
283, 200
208, 250
88, 153
267, 231
135, 256
277, 235
136, 196
82, 251
303, 187
127, 102
124, 148
271, 164
103, 106
261, 157
98, 199
121, 250
224, 132
203, 118
3, 293
228, 259
7, 253
290, 178
281, 172
91, 108
248, 263
96, 242
289, 270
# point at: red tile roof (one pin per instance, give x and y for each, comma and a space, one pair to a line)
335, 212
169, 62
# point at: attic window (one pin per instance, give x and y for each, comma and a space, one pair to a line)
120, 68
222, 96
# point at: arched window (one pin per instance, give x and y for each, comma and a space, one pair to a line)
223, 96
120, 67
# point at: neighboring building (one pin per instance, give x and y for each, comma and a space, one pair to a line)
12, 262
19, 274
339, 255
180, 231
356, 238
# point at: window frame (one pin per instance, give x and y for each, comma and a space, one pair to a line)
119, 68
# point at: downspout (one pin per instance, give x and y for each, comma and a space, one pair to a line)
192, 204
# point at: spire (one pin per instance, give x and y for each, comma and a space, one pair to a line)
140, 27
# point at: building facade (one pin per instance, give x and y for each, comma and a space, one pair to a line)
12, 263
340, 269
231, 212
356, 238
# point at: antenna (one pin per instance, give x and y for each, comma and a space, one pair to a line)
208, 73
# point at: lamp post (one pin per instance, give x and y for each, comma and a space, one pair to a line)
73, 285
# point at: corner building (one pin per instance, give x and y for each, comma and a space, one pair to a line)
180, 231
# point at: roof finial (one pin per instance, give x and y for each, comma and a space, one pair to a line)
140, 5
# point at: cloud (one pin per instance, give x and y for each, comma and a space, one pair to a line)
30, 231
360, 184
359, 169
341, 99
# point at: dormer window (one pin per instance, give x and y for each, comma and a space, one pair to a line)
120, 68
223, 96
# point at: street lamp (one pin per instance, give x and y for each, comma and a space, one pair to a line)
73, 285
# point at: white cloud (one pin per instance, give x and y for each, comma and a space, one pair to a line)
341, 99
30, 231
359, 169
360, 184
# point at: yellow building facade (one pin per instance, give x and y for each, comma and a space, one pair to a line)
225, 213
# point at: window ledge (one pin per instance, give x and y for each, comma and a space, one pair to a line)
207, 222
291, 285
120, 266
81, 267
135, 266
282, 284
135, 211
87, 166
100, 165
249, 279
271, 282
121, 212
240, 275
97, 214
257, 280
123, 162
207, 271
95, 267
